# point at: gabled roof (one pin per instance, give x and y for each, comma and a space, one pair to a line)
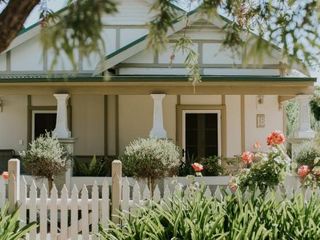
140, 44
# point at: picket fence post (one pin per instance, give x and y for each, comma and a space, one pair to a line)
13, 183
116, 189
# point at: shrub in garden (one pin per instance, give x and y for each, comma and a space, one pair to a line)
234, 217
307, 155
9, 225
151, 159
263, 169
211, 166
45, 157
96, 167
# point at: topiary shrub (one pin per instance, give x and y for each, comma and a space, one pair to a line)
151, 159
307, 155
45, 157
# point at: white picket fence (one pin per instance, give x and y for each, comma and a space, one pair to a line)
76, 214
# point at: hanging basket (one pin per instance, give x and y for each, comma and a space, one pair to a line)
315, 108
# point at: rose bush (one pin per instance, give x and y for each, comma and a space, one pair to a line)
264, 170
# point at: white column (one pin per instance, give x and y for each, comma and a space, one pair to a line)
62, 130
304, 125
158, 130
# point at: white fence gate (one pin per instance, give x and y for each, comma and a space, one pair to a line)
76, 214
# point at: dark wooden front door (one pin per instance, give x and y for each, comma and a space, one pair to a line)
201, 131
44, 122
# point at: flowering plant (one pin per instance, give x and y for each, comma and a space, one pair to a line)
198, 168
5, 175
265, 170
308, 165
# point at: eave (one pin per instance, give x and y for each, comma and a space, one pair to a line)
171, 85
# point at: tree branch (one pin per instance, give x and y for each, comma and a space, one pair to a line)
12, 19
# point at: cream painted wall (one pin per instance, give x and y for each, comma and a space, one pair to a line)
273, 119
43, 100
88, 124
135, 118
111, 118
201, 99
169, 116
233, 119
13, 123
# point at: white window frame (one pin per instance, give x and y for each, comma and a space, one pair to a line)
34, 112
185, 112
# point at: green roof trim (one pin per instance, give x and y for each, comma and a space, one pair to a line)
24, 30
118, 51
154, 78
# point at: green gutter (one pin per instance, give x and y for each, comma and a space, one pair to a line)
156, 78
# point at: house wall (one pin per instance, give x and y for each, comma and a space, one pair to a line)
88, 124
107, 124
273, 119
233, 122
13, 123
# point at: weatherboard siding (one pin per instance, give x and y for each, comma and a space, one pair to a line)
130, 12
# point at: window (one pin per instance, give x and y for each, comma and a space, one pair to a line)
43, 121
201, 133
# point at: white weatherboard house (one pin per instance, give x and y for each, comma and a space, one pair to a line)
232, 108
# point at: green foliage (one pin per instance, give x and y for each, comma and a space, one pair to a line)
45, 157
234, 217
150, 158
93, 168
266, 172
307, 155
79, 29
291, 110
211, 166
9, 225
315, 104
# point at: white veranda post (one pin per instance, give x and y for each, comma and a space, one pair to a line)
303, 131
62, 130
304, 124
158, 130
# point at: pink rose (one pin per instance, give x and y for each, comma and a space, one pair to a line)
275, 138
303, 171
5, 175
233, 186
197, 167
257, 145
247, 157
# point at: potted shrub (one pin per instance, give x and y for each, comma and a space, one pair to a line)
45, 158
151, 159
